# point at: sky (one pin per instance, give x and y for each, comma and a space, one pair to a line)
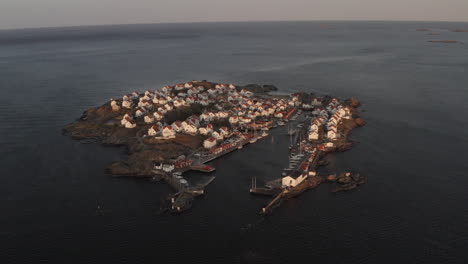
59, 13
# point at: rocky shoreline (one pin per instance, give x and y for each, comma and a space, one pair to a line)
118, 123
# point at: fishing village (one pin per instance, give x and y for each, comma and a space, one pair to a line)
181, 128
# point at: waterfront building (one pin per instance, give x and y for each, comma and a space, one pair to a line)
209, 143
293, 180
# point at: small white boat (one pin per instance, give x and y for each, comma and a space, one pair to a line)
253, 140
264, 134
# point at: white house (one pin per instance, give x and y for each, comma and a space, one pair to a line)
224, 131
314, 126
127, 104
158, 115
246, 120
204, 102
114, 105
145, 97
154, 130
168, 167
168, 132
190, 100
162, 101
233, 119
279, 115
149, 118
203, 96
206, 130
178, 103
217, 135
179, 86
331, 134
194, 120
316, 102
149, 93
168, 107
306, 106
191, 129
192, 91
292, 181
222, 114
166, 89
130, 124
139, 112
135, 95
188, 85
209, 143
313, 135
177, 126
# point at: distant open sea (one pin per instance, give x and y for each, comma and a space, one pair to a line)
414, 209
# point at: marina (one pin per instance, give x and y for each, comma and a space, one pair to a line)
182, 128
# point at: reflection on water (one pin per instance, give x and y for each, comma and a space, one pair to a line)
58, 205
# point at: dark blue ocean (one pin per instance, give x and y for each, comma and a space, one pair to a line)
58, 206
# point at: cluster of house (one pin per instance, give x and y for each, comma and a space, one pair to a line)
164, 167
337, 111
180, 162
151, 107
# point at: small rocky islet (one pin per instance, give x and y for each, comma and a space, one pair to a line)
178, 128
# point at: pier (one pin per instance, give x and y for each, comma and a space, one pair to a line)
262, 190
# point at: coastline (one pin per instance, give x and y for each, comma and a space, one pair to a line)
167, 157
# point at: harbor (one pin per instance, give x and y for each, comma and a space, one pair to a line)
178, 130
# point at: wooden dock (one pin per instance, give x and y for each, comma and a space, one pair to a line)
275, 202
262, 190
202, 168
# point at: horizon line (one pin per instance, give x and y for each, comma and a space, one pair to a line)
234, 21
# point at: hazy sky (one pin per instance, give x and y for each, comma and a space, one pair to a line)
46, 13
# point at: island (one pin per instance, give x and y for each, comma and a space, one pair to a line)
176, 129
444, 41
459, 30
